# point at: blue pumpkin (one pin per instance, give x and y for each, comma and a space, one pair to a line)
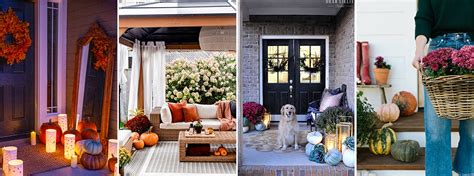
260, 126
333, 157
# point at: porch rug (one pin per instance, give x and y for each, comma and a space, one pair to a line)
36, 160
163, 159
266, 141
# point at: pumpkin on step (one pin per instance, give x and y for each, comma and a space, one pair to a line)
134, 136
149, 138
93, 162
406, 102
388, 113
333, 157
90, 134
76, 133
50, 125
86, 124
381, 140
405, 150
111, 163
138, 144
88, 146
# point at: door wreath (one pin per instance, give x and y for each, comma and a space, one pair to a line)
314, 67
13, 52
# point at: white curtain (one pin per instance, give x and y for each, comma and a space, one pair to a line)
134, 77
123, 82
153, 62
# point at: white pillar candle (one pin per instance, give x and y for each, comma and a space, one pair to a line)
78, 118
74, 161
15, 168
50, 140
62, 121
9, 153
112, 148
33, 138
69, 141
116, 170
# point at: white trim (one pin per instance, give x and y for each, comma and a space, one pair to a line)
82, 77
262, 37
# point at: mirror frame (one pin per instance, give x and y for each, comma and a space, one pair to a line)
95, 33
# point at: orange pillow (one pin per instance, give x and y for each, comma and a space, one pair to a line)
190, 113
177, 111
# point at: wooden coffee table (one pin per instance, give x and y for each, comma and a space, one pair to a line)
222, 137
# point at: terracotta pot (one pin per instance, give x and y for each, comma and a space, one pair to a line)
381, 75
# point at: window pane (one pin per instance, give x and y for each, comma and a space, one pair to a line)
272, 51
304, 77
316, 77
283, 77
272, 77
304, 51
283, 51
52, 59
315, 51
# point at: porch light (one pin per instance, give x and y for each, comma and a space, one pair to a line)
267, 117
69, 141
343, 130
330, 142
9, 153
112, 148
62, 120
50, 140
15, 168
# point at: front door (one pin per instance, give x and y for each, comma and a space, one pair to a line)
17, 86
293, 73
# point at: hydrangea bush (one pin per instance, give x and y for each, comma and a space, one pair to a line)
204, 81
448, 61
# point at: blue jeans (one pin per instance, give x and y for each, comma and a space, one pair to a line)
438, 130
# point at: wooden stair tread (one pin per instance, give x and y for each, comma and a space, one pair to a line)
368, 161
415, 123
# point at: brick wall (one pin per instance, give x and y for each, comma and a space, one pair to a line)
81, 15
338, 28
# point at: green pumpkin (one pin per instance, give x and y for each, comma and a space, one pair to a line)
333, 157
381, 140
405, 150
317, 154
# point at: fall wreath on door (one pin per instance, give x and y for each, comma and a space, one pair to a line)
12, 26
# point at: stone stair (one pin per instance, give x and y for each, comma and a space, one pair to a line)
406, 128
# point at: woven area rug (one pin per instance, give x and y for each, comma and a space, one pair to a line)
266, 141
36, 160
163, 159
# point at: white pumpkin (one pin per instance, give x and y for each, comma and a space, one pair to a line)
309, 147
314, 137
348, 158
245, 129
388, 112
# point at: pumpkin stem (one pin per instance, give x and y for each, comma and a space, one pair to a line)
149, 130
387, 125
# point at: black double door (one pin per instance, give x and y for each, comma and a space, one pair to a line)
17, 102
293, 73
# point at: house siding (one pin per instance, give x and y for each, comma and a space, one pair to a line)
339, 29
81, 15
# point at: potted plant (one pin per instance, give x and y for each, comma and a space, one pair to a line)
381, 71
253, 112
366, 119
198, 127
245, 124
331, 116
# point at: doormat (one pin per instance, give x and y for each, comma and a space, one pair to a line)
163, 159
36, 160
266, 141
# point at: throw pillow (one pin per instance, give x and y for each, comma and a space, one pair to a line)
207, 111
190, 113
165, 115
330, 101
177, 111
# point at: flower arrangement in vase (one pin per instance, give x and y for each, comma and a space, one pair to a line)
381, 71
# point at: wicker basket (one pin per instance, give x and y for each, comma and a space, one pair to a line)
452, 96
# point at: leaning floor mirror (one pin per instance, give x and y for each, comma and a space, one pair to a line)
92, 91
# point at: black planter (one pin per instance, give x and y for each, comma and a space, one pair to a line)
198, 130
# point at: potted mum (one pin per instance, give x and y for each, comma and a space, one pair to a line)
381, 70
253, 112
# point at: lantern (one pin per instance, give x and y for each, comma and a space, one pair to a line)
62, 121
112, 148
69, 141
343, 130
15, 168
267, 117
50, 140
330, 142
9, 153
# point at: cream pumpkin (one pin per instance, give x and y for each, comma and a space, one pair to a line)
388, 112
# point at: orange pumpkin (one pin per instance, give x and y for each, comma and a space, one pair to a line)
50, 125
134, 136
111, 163
217, 153
222, 150
90, 134
76, 133
86, 124
149, 138
388, 112
93, 162
138, 144
406, 102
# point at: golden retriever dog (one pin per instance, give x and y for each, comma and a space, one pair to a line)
288, 127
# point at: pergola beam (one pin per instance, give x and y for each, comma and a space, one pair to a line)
176, 21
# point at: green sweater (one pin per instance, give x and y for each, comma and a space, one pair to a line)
437, 17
